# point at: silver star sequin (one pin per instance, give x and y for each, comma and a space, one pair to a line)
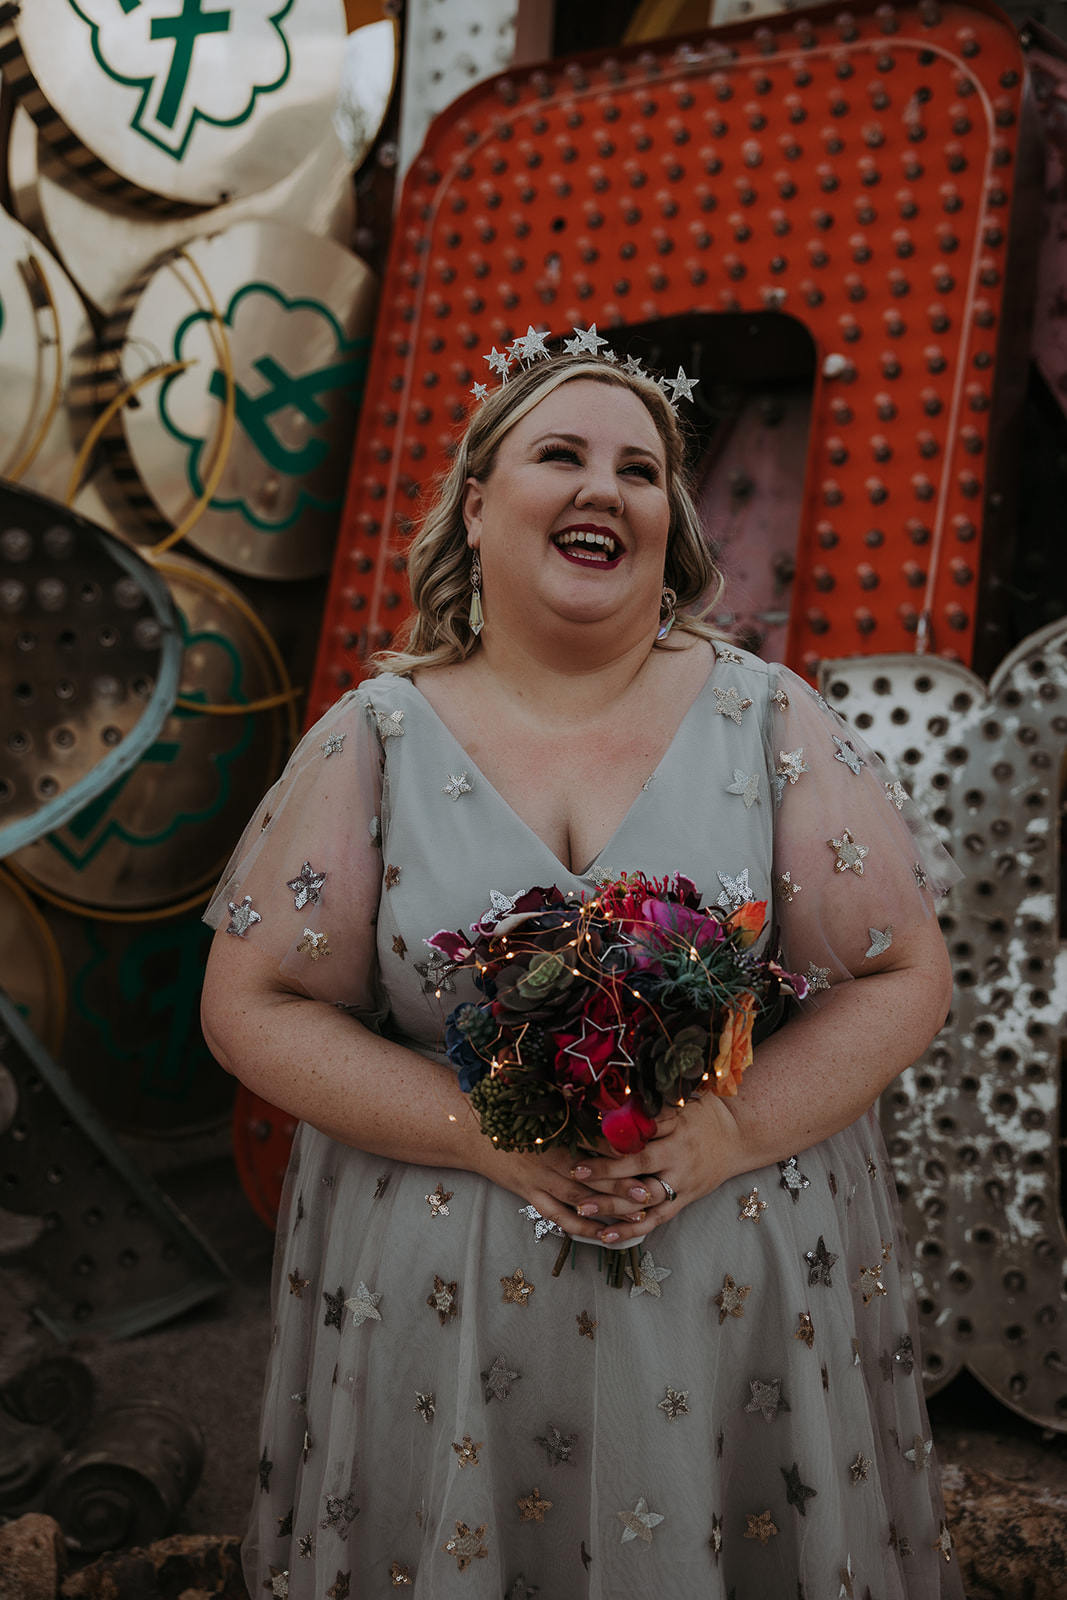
920, 1452
457, 784
736, 892
767, 1398
896, 793
674, 1404
820, 1260
730, 704
560, 1449
921, 875
306, 886
785, 889
751, 1206
791, 764
314, 944
499, 1379
542, 1226
340, 1514
305, 1544
242, 917
817, 978
781, 699
443, 1299
792, 1178
390, 724
638, 1523
438, 1201
716, 1537
650, 1277
501, 904
333, 745
847, 753
943, 1542
278, 1583
849, 854
881, 939
724, 653
435, 975
746, 784
364, 1306
425, 1405
859, 1468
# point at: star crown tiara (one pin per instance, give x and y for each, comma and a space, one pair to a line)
530, 347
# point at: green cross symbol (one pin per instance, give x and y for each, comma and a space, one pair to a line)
184, 28
301, 393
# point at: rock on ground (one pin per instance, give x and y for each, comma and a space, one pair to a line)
33, 1558
184, 1567
1011, 1542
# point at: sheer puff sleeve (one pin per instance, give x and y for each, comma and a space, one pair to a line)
856, 865
304, 882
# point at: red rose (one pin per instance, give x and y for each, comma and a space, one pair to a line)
628, 1128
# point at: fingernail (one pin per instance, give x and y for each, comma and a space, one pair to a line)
590, 1209
581, 1172
608, 1238
637, 1193
638, 1216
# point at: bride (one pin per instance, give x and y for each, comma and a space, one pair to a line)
440, 1413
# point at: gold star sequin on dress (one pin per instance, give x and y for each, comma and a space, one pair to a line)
849, 855
767, 1398
731, 1299
896, 794
559, 1447
498, 1380
532, 1508
438, 1201
859, 1468
443, 1299
791, 765
297, 1284
457, 784
390, 724
817, 978
759, 1527
638, 1523
806, 1331
881, 939
341, 1586
314, 944
781, 699
746, 784
785, 889
587, 1326
730, 704
340, 1513
467, 1452
751, 1206
674, 1404
716, 1537
436, 975
871, 1283
392, 876
724, 653
364, 1306
399, 947
466, 1546
921, 876
517, 1291
425, 1405
904, 1354
399, 1577
305, 1544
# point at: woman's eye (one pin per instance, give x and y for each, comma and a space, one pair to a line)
643, 469
557, 452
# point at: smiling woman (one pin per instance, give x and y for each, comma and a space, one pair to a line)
727, 1423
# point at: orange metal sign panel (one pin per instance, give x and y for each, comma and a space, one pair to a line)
852, 170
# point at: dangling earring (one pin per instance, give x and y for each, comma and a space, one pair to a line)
476, 618
666, 612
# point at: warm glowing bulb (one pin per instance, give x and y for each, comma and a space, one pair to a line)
539, 1141
451, 1118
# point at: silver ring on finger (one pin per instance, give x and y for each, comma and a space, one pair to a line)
672, 1194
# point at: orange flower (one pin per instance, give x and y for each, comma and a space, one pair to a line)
735, 1046
748, 920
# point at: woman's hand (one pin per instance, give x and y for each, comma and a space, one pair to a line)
581, 1208
696, 1148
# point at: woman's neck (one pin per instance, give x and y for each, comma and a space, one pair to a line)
581, 684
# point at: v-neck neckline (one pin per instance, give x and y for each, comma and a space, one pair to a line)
704, 690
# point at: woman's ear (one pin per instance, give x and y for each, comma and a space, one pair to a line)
473, 504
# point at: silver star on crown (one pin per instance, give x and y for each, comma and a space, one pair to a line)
681, 387
530, 347
588, 342
499, 362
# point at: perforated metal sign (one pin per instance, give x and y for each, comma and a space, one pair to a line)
854, 171
974, 1128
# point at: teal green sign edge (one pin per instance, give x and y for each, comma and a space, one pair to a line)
357, 348
145, 84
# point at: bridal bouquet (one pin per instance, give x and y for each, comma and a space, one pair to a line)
596, 1012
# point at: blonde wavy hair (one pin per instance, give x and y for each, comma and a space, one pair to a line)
439, 560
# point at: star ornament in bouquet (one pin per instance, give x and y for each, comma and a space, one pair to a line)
599, 1048
172, 55
298, 423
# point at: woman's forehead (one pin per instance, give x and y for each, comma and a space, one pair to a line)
585, 409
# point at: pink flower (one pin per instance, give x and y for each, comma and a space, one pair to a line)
628, 1128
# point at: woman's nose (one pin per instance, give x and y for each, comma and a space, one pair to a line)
600, 489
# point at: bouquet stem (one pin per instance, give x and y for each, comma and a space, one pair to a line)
635, 1265
561, 1260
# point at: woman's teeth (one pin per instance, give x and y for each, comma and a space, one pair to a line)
602, 541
